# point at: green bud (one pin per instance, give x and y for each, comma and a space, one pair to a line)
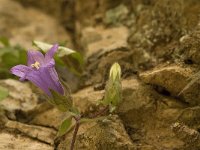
115, 72
113, 90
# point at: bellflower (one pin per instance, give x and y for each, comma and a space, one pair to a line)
40, 70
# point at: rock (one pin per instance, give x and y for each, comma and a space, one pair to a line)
99, 41
88, 13
106, 134
104, 47
116, 15
148, 114
15, 141
29, 24
190, 136
137, 101
141, 101
174, 78
87, 98
155, 25
43, 134
20, 98
51, 118
190, 117
120, 15
189, 46
62, 10
144, 112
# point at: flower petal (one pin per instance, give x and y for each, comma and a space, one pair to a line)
50, 64
46, 78
49, 55
20, 71
57, 85
34, 56
51, 79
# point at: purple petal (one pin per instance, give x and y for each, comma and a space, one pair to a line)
46, 78
34, 56
37, 78
20, 71
51, 78
49, 55
50, 64
57, 85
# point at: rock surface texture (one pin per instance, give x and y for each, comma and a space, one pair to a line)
156, 43
23, 25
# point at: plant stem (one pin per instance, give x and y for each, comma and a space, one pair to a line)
99, 113
77, 119
77, 124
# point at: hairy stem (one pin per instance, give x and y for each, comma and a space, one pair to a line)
77, 119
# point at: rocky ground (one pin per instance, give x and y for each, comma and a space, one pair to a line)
157, 44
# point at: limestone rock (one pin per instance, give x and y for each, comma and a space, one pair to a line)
17, 141
106, 134
174, 78
146, 113
28, 24
41, 133
87, 98
91, 12
104, 47
99, 41
62, 10
21, 96
51, 118
189, 47
116, 15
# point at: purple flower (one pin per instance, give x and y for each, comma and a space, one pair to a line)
40, 70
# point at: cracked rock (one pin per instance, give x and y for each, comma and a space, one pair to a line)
174, 79
104, 135
21, 97
19, 142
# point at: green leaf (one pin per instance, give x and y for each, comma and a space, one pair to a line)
63, 103
74, 62
9, 59
3, 93
72, 59
4, 41
22, 58
74, 111
64, 127
62, 51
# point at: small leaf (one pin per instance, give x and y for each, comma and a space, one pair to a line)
63, 103
4, 41
3, 93
72, 59
9, 59
74, 111
62, 51
65, 125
